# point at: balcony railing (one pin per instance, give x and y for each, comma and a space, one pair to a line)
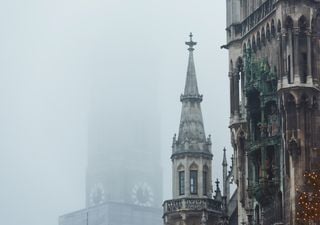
185, 204
259, 14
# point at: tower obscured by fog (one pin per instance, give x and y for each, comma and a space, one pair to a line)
124, 177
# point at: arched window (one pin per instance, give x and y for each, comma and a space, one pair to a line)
289, 23
273, 29
279, 27
268, 32
249, 44
316, 23
181, 180
303, 24
303, 61
258, 40
263, 36
193, 179
254, 46
240, 78
289, 65
244, 49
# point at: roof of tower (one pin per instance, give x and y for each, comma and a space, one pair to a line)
191, 137
191, 87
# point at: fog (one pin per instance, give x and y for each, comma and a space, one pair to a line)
65, 62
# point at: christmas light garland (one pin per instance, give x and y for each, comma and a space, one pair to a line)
308, 208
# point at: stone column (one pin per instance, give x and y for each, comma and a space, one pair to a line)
316, 58
290, 53
279, 40
200, 180
236, 93
187, 179
309, 59
231, 93
296, 67
174, 180
283, 58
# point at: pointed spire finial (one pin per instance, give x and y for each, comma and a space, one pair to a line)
218, 196
191, 43
217, 184
224, 162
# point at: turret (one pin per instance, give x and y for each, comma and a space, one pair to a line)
191, 157
191, 150
224, 172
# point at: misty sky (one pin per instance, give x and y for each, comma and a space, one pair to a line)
50, 51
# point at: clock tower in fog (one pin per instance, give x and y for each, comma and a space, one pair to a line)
123, 175
128, 172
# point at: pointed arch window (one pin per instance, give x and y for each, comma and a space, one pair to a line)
193, 181
181, 182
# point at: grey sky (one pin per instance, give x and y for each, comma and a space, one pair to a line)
49, 53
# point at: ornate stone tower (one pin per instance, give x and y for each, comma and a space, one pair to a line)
274, 73
192, 162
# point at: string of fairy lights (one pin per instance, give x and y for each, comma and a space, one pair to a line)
308, 209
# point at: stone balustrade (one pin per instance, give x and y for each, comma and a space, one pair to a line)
186, 204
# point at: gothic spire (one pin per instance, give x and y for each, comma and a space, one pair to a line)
191, 87
218, 195
224, 162
191, 137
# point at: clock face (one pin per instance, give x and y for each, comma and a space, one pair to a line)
97, 194
142, 194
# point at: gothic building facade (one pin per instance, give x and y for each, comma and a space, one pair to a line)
274, 71
191, 157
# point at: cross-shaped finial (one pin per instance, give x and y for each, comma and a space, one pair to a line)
217, 183
191, 43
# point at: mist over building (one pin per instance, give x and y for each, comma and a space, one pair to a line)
124, 174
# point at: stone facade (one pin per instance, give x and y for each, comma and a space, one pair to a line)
274, 58
192, 201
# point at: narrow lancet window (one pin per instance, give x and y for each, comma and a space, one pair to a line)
181, 182
193, 181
